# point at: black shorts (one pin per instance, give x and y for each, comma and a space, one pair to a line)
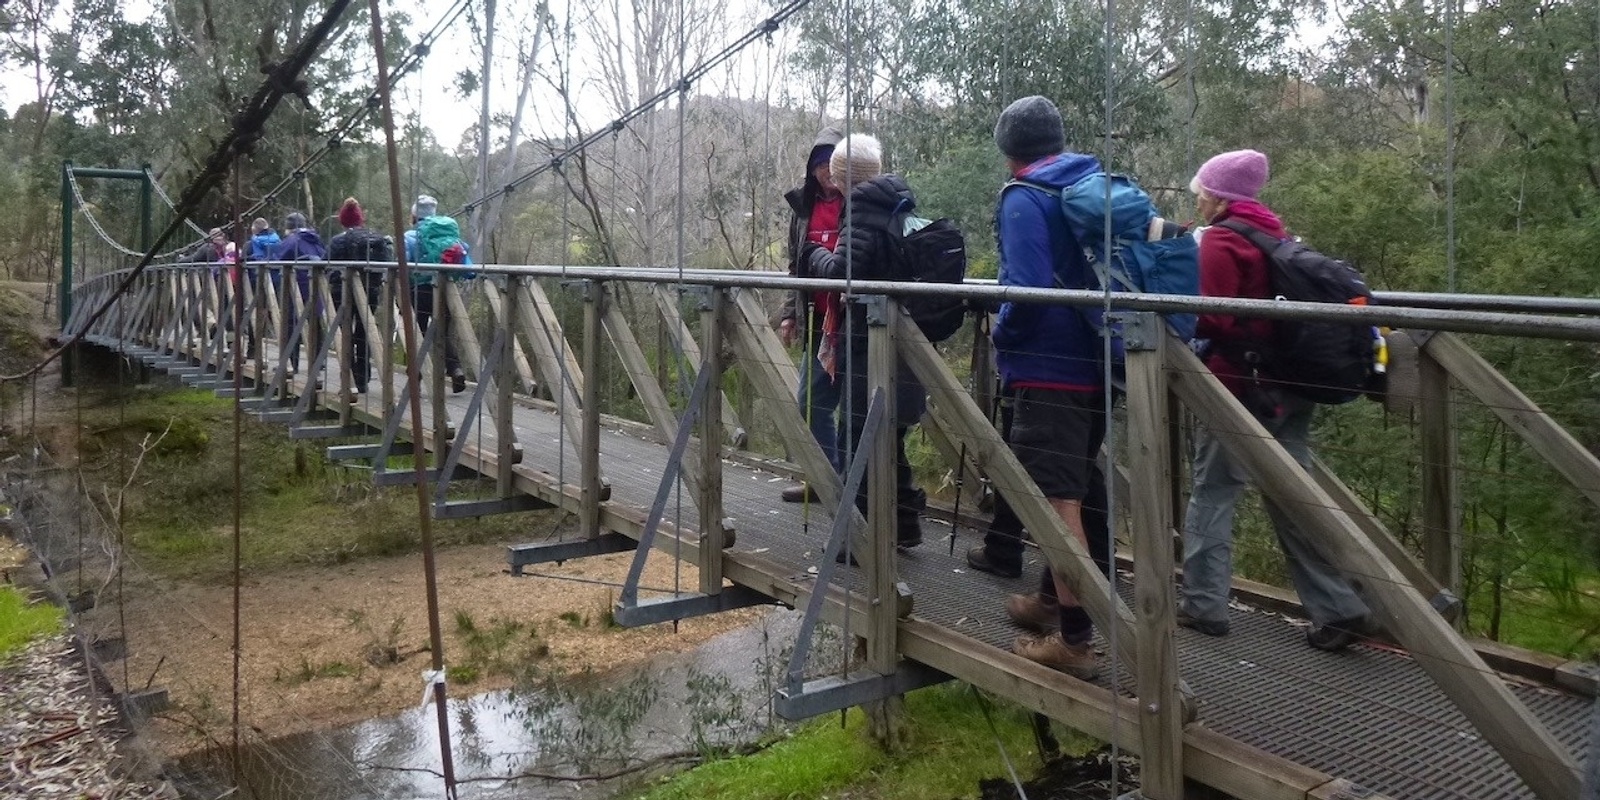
1056, 434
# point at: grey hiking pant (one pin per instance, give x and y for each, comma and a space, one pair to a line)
1208, 529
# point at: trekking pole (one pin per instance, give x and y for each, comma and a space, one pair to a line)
955, 517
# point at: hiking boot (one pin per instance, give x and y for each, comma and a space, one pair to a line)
1077, 660
1209, 627
1336, 636
458, 381
978, 559
800, 493
1033, 612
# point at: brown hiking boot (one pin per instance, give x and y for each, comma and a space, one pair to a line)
1033, 612
1077, 660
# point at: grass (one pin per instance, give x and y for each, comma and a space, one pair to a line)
296, 507
21, 622
950, 747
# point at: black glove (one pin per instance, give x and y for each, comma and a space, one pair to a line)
814, 260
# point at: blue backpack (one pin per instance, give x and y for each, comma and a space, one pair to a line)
1148, 253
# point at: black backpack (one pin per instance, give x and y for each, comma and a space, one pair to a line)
361, 244
1325, 362
933, 252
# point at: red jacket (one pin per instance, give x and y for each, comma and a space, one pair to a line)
1230, 266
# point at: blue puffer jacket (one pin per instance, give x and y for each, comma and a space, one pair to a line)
1051, 347
263, 245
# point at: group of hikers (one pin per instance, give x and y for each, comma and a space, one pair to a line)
433, 238
845, 223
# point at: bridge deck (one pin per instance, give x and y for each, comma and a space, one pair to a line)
1369, 715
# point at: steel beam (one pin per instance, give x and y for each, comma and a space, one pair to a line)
686, 606
523, 555
351, 452
461, 509
408, 477
836, 692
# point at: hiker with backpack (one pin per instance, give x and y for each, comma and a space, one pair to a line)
866, 251
300, 243
435, 238
359, 243
815, 208
1049, 362
1240, 352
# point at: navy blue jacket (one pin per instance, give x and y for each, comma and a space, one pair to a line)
1036, 345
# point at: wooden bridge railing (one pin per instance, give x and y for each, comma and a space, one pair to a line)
182, 314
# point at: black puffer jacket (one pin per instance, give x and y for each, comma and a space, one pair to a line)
865, 252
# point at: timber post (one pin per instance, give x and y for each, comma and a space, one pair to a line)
878, 555
713, 524
1149, 446
506, 372
1441, 514
594, 298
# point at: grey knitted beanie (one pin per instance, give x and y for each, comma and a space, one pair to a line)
1030, 129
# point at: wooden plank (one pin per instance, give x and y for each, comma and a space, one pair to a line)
470, 348
1208, 757
1441, 501
497, 312
690, 349
1160, 706
1063, 550
654, 399
1543, 434
1500, 718
772, 374
1374, 530
544, 334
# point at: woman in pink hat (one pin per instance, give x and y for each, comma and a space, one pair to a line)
1238, 352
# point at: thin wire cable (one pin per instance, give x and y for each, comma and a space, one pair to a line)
678, 357
1109, 396
1449, 146
999, 743
846, 231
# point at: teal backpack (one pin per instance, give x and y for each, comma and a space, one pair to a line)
1147, 253
437, 236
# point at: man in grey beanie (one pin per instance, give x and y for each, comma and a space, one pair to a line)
1030, 129
1048, 361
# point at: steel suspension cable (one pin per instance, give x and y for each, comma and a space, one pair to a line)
240, 139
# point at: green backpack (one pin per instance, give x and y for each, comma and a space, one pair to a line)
436, 235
